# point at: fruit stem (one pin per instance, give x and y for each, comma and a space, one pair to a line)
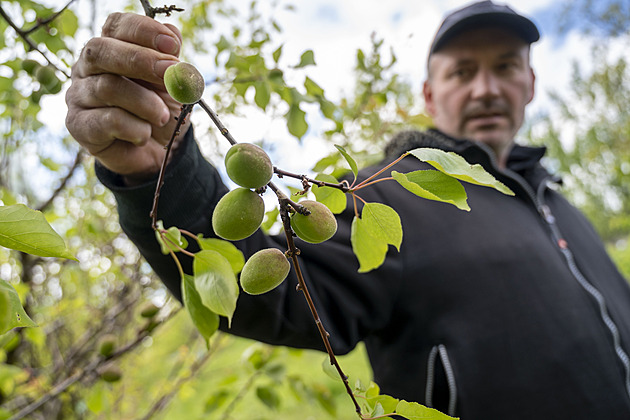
293, 254
186, 109
215, 119
343, 186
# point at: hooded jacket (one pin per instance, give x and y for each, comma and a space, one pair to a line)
510, 311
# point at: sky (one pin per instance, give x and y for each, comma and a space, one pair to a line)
334, 29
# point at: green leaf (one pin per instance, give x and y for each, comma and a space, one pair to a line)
206, 321
215, 282
263, 94
329, 369
277, 53
333, 198
369, 250
378, 411
222, 44
172, 239
271, 217
12, 313
226, 248
97, 399
388, 403
269, 396
307, 59
296, 121
456, 166
349, 159
27, 230
434, 185
415, 411
383, 223
312, 88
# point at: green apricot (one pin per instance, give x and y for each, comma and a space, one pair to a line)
111, 374
318, 226
107, 345
55, 88
248, 165
184, 83
46, 77
30, 66
264, 271
149, 310
238, 214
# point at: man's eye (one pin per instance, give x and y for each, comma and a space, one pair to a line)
462, 73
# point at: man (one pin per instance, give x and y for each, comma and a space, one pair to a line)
510, 311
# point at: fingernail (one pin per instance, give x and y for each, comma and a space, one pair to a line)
167, 44
161, 66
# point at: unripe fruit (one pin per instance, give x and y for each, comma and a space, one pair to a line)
111, 374
248, 165
107, 345
318, 226
238, 214
264, 271
46, 76
149, 310
184, 83
55, 88
30, 66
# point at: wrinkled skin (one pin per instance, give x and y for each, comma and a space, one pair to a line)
118, 107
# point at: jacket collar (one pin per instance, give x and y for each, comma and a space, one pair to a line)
521, 158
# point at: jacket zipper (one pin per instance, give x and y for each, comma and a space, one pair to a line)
450, 378
545, 212
586, 285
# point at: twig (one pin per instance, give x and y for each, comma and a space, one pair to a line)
28, 40
42, 22
186, 109
91, 368
343, 186
215, 119
165, 399
241, 394
284, 204
151, 11
77, 162
293, 253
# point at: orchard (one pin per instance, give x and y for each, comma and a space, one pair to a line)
88, 331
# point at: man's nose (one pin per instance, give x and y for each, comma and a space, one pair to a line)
485, 85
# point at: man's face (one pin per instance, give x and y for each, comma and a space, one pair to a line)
478, 87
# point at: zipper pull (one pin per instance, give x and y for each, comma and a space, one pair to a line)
545, 211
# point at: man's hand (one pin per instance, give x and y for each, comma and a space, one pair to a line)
118, 108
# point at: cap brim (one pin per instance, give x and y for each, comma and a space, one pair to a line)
519, 25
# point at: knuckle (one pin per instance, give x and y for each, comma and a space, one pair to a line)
91, 53
111, 25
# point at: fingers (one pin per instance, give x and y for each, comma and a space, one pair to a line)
118, 108
109, 90
110, 55
143, 31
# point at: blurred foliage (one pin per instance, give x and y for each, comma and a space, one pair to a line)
166, 370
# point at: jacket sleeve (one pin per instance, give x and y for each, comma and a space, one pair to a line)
350, 305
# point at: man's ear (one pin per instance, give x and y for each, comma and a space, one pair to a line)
532, 88
427, 92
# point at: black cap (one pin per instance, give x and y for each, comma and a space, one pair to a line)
484, 13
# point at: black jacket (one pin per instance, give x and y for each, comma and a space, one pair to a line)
510, 311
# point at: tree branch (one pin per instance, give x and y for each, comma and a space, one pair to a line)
90, 369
